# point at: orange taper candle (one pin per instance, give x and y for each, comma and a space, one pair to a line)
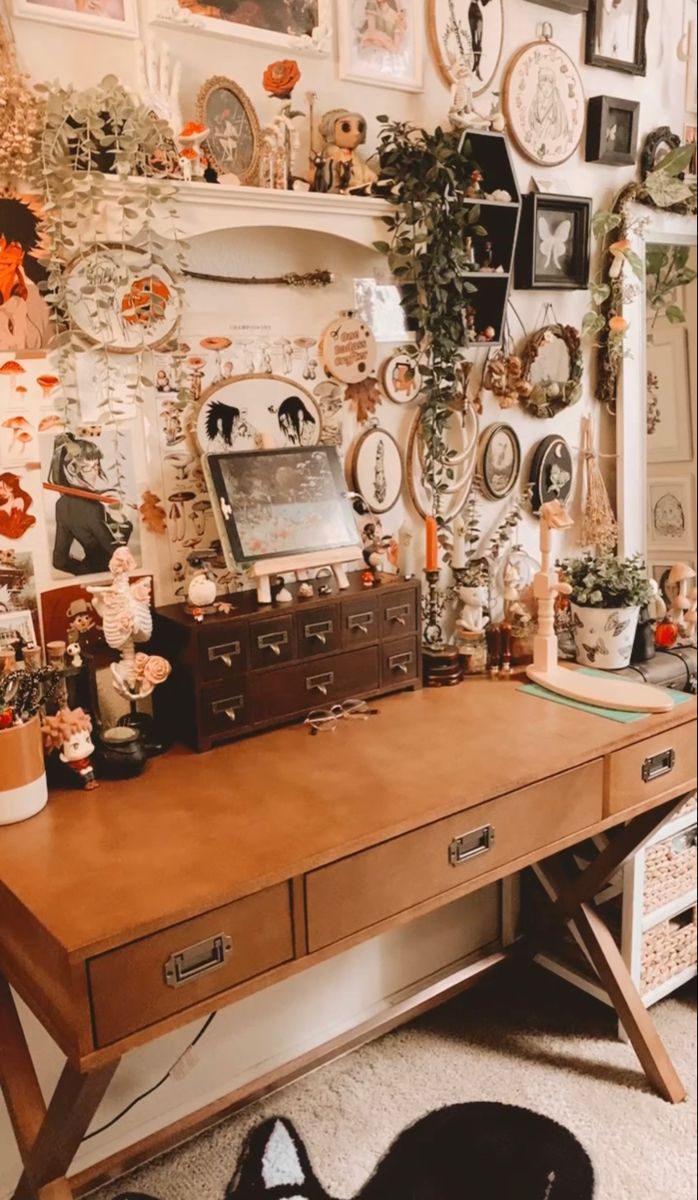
432, 563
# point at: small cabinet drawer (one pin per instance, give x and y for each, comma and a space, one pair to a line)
360, 621
222, 653
223, 708
370, 887
272, 642
298, 689
400, 662
155, 977
661, 765
318, 631
398, 613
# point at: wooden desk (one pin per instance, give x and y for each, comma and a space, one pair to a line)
270, 855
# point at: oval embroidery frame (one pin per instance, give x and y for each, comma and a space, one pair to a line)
551, 452
372, 457
486, 468
436, 45
125, 302
346, 330
563, 66
403, 390
217, 431
464, 463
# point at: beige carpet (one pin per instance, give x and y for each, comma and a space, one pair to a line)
527, 1039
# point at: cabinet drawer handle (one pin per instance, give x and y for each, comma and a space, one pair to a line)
471, 845
360, 621
400, 662
320, 683
195, 961
398, 616
225, 654
273, 641
230, 707
319, 631
658, 764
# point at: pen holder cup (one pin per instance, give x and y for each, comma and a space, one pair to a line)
23, 788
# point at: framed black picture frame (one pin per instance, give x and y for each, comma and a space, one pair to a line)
612, 130
657, 145
553, 247
618, 40
566, 6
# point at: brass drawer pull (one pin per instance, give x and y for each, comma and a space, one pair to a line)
224, 654
230, 707
273, 641
471, 845
320, 631
398, 616
187, 965
658, 764
320, 683
400, 662
360, 621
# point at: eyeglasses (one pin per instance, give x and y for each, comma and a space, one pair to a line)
325, 720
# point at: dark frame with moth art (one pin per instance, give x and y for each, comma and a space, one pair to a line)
530, 273
594, 57
602, 112
551, 453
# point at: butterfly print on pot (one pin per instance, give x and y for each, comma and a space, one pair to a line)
615, 626
593, 651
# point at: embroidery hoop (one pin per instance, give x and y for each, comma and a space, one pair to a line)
509, 106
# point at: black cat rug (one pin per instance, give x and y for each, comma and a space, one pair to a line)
468, 1152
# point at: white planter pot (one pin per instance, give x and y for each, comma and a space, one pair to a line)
23, 790
603, 637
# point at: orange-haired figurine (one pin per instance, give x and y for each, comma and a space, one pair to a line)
70, 730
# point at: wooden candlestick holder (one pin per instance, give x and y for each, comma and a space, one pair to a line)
442, 666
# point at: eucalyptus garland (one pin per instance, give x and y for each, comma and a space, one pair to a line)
432, 191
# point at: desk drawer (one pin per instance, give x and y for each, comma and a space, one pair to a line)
662, 764
319, 631
314, 684
222, 653
156, 977
272, 642
370, 887
360, 620
398, 613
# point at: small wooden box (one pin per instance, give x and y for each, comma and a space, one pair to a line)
271, 664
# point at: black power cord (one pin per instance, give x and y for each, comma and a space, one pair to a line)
156, 1086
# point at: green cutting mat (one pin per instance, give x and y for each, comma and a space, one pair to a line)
611, 714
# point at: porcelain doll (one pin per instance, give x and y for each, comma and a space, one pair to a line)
341, 169
472, 619
70, 730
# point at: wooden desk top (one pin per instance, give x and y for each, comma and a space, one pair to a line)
197, 831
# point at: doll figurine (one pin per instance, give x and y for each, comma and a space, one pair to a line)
70, 730
340, 168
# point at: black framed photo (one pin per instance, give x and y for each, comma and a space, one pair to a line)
499, 460
612, 129
616, 35
553, 245
567, 6
282, 503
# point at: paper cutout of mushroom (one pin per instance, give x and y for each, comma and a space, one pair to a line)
177, 514
217, 345
21, 431
47, 383
12, 369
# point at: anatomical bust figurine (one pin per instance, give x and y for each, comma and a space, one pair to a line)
341, 169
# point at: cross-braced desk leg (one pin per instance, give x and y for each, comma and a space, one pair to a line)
48, 1139
572, 894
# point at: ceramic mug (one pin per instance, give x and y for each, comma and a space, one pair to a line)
23, 788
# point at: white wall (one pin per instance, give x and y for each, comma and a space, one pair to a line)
289, 1018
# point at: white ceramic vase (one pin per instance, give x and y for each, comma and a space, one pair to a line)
23, 789
603, 637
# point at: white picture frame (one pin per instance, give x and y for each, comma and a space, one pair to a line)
381, 57
65, 12
17, 621
669, 359
318, 42
671, 514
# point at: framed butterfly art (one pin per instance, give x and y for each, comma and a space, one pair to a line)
554, 243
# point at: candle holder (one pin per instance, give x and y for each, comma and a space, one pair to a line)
442, 665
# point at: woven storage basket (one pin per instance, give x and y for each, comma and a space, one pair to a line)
668, 949
671, 869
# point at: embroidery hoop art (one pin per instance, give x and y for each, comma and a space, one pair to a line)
153, 269
560, 62
395, 395
198, 419
355, 469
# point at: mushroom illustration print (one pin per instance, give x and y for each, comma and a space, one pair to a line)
48, 384
21, 433
12, 370
217, 345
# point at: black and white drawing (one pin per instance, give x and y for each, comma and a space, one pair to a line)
376, 470
553, 245
616, 32
471, 30
257, 412
671, 512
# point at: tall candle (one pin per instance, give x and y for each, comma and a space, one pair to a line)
432, 563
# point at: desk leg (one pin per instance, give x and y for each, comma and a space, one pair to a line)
48, 1139
571, 892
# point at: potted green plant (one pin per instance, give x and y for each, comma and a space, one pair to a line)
606, 598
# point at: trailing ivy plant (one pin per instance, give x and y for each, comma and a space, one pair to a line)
95, 153
667, 270
432, 176
622, 271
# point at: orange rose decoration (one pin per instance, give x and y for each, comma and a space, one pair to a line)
281, 77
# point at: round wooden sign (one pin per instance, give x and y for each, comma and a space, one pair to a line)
348, 349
